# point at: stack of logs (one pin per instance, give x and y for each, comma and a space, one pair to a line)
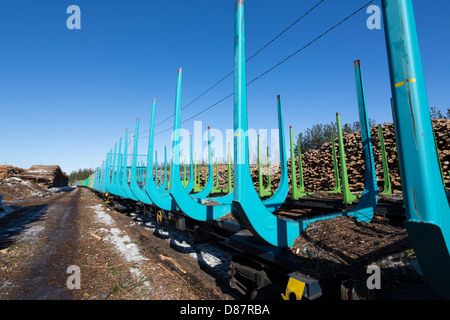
46, 176
223, 175
318, 172
318, 164
7, 171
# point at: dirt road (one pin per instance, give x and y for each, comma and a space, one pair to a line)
72, 246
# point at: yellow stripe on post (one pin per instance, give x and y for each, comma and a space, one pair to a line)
404, 82
399, 84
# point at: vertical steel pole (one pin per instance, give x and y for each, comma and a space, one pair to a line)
269, 182
295, 193
426, 204
337, 181
301, 181
149, 174
348, 196
175, 167
241, 170
387, 190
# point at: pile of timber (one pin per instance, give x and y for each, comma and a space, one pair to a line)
7, 171
45, 176
318, 170
223, 175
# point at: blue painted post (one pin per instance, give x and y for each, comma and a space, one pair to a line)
426, 204
136, 189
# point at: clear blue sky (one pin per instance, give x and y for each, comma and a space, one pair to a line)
66, 96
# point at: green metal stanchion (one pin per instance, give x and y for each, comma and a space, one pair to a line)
301, 182
269, 182
185, 181
337, 181
262, 191
387, 190
161, 175
229, 185
348, 196
206, 173
168, 181
156, 173
197, 187
398, 153
215, 188
296, 192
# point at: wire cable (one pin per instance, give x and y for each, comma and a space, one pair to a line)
251, 57
279, 63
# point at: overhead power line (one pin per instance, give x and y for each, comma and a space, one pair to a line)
279, 63
251, 57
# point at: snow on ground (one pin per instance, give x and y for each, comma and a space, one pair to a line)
5, 210
120, 241
101, 216
30, 233
60, 189
21, 188
209, 257
16, 189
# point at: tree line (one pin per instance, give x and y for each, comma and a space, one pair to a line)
80, 174
318, 134
437, 114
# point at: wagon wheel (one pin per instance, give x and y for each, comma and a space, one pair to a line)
159, 216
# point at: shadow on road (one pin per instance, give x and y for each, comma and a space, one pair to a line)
18, 221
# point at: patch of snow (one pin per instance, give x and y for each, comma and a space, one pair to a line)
121, 241
182, 243
60, 189
5, 284
101, 216
31, 233
399, 261
14, 182
162, 232
212, 257
208, 256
